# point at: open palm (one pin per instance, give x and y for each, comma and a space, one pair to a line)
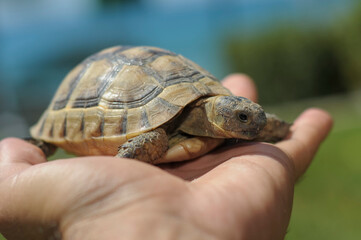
238, 192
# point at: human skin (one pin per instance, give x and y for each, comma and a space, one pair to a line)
236, 192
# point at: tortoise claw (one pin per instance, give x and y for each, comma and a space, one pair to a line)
47, 148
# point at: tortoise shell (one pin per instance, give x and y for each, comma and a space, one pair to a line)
119, 93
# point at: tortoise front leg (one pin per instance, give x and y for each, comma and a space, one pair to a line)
147, 147
47, 148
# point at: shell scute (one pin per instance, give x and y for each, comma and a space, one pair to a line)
115, 122
173, 70
92, 84
74, 123
93, 123
161, 110
132, 87
66, 88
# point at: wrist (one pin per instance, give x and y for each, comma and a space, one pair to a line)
136, 225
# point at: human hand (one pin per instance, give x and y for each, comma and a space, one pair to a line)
240, 192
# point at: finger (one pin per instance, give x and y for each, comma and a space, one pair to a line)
190, 170
241, 85
257, 180
17, 155
308, 132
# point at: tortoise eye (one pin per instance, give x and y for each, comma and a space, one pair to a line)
243, 117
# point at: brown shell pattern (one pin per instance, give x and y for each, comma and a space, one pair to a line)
120, 93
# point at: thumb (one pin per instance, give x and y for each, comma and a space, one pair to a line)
17, 155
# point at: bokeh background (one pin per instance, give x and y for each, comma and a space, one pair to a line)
300, 53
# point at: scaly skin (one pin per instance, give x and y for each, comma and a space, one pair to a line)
147, 147
275, 130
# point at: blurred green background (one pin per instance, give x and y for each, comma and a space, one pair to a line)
300, 53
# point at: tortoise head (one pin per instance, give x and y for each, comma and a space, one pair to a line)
235, 117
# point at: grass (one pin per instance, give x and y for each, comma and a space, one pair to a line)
327, 202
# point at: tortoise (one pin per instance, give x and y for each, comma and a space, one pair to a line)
149, 104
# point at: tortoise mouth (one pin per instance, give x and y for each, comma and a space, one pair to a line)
250, 134
247, 134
